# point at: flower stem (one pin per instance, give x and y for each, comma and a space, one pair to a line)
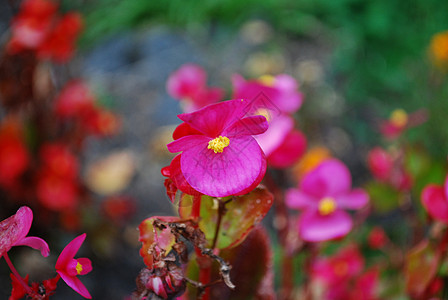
16, 274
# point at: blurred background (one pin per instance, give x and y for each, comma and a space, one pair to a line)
356, 62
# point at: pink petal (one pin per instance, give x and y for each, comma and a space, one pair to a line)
68, 253
257, 180
86, 265
75, 284
247, 126
355, 199
187, 142
278, 130
314, 227
289, 151
24, 217
184, 130
289, 99
213, 119
35, 243
435, 202
330, 178
298, 200
178, 178
446, 187
226, 173
15, 228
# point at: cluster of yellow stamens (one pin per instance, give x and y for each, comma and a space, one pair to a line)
78, 268
327, 205
399, 118
218, 144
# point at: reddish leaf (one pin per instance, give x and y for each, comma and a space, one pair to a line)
243, 213
420, 268
251, 270
149, 235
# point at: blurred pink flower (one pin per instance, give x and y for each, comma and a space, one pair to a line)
377, 238
341, 275
224, 159
279, 94
74, 100
14, 229
323, 194
69, 268
58, 159
189, 85
380, 163
292, 148
435, 200
399, 121
342, 266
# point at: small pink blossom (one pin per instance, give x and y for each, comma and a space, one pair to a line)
435, 200
14, 230
223, 158
69, 268
280, 92
189, 84
323, 196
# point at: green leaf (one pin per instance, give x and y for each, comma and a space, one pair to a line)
242, 214
384, 198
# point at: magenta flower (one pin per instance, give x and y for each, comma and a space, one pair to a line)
223, 158
435, 200
69, 268
280, 93
323, 194
189, 84
14, 229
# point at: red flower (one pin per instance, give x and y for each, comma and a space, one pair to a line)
14, 157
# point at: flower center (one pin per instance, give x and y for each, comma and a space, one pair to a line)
326, 206
399, 118
78, 268
218, 144
340, 268
267, 80
264, 112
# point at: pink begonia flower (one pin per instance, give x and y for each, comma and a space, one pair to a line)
323, 194
380, 163
399, 121
68, 267
189, 85
280, 93
223, 159
14, 229
435, 200
275, 98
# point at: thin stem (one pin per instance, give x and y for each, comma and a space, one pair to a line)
221, 212
16, 274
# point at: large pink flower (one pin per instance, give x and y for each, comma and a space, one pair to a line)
189, 84
68, 267
435, 201
14, 229
223, 158
323, 194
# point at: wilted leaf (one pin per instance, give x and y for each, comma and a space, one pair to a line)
148, 235
251, 271
112, 174
420, 268
243, 213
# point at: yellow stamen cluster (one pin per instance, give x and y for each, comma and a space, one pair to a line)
399, 118
264, 112
327, 206
218, 144
78, 268
267, 80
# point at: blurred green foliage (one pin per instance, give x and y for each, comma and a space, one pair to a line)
379, 48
